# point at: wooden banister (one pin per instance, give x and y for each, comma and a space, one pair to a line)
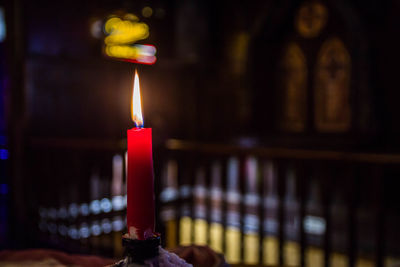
288, 153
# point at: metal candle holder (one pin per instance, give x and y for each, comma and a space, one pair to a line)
137, 251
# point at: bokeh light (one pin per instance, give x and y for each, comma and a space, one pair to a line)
147, 12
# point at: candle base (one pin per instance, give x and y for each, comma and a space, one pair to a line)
148, 252
137, 251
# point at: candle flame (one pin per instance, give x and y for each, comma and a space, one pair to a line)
136, 114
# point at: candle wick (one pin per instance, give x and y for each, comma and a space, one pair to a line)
139, 124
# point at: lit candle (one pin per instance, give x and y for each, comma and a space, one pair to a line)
140, 180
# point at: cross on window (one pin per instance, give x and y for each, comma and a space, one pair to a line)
311, 16
334, 65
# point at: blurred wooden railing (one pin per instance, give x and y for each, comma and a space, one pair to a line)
77, 187
274, 152
257, 205
279, 206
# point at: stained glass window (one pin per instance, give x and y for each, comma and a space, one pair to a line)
293, 83
332, 87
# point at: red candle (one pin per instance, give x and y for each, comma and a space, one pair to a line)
140, 179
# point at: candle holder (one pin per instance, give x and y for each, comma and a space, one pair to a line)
149, 253
137, 251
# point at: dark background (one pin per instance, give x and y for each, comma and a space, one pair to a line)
58, 89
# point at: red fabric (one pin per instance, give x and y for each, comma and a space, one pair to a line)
64, 258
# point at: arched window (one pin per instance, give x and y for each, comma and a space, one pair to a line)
293, 83
332, 111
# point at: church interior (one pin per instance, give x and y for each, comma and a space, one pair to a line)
274, 129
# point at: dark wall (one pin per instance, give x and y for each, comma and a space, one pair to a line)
216, 70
